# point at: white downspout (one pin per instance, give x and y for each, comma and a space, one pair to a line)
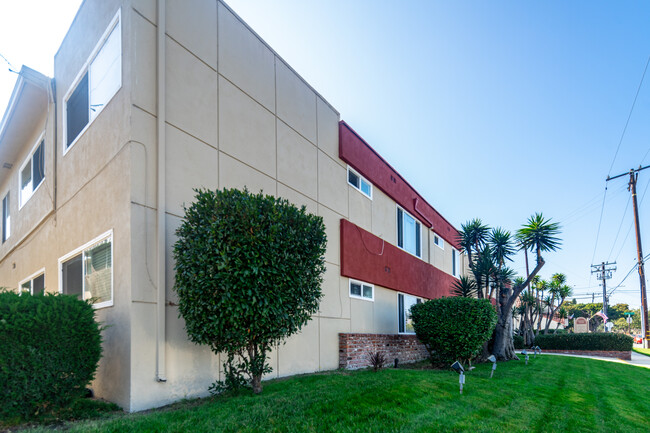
160, 305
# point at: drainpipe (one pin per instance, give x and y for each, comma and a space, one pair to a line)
160, 305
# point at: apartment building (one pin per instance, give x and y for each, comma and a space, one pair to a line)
151, 99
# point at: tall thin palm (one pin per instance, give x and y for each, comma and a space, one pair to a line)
501, 243
539, 235
473, 237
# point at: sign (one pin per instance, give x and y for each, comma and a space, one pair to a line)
580, 325
629, 320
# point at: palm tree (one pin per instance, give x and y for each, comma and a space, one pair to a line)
464, 287
537, 235
560, 292
562, 315
472, 238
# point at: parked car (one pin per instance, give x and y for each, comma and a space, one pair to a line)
638, 339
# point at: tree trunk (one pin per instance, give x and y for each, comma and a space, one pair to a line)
256, 383
504, 349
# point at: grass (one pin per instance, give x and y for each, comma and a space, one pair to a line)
645, 352
552, 393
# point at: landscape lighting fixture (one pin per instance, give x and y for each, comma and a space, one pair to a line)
493, 360
525, 353
537, 350
458, 368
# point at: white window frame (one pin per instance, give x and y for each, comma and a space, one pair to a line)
417, 221
405, 332
361, 283
455, 254
117, 19
441, 245
23, 200
31, 279
81, 249
361, 179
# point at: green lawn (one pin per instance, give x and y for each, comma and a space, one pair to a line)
645, 352
551, 394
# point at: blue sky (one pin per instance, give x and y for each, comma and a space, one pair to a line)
491, 109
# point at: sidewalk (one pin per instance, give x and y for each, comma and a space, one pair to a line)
637, 359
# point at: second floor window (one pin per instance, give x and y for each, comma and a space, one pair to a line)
359, 182
98, 82
408, 233
455, 265
32, 173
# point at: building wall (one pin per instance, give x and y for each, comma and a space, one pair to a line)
236, 115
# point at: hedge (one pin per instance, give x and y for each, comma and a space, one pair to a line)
518, 341
591, 341
49, 349
453, 328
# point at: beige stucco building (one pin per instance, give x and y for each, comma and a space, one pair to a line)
151, 99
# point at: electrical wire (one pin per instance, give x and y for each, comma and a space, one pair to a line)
620, 226
600, 220
11, 67
627, 275
629, 116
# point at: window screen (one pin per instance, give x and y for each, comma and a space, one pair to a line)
77, 110
72, 276
38, 285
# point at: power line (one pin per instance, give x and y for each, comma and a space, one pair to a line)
600, 220
628, 117
620, 226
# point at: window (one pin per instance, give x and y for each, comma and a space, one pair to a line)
34, 284
404, 304
6, 219
359, 182
98, 81
440, 242
32, 172
88, 271
362, 290
455, 264
408, 233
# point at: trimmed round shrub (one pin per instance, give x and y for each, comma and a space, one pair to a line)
592, 341
249, 269
454, 328
49, 349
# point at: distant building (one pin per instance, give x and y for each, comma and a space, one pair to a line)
98, 162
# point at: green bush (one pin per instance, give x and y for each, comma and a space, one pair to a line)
454, 328
248, 273
594, 341
49, 349
518, 341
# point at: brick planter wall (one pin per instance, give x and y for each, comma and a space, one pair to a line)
354, 349
627, 356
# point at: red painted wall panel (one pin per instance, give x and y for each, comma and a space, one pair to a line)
369, 258
356, 152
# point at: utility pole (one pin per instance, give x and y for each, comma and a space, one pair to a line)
603, 272
634, 175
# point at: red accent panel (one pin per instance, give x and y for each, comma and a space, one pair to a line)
366, 257
356, 152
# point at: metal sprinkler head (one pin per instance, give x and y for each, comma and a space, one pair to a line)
458, 368
493, 360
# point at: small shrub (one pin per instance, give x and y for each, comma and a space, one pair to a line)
49, 349
453, 328
518, 341
377, 360
595, 341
